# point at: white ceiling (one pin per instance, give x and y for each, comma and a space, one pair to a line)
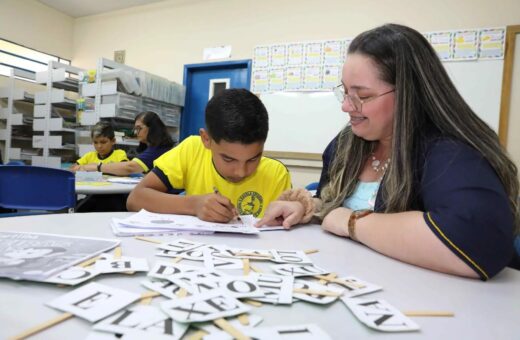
80, 8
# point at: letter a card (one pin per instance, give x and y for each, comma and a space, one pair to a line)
93, 301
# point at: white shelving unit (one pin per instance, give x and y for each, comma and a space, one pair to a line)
55, 115
113, 103
10, 118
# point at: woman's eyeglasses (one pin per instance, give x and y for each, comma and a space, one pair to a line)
354, 100
137, 129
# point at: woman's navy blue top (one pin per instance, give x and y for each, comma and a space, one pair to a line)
463, 202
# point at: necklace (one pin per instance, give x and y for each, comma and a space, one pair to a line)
377, 165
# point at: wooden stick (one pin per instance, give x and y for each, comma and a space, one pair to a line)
253, 303
329, 277
244, 319
31, 331
255, 255
429, 313
89, 262
246, 266
117, 253
316, 292
311, 251
182, 293
177, 259
228, 328
198, 335
253, 268
146, 239
341, 282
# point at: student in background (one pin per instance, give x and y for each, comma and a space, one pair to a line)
154, 140
104, 139
416, 174
222, 170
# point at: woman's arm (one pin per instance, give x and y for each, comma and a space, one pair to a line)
403, 236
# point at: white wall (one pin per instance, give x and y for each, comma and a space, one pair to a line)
162, 37
30, 23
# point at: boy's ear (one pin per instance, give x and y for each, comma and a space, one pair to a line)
206, 139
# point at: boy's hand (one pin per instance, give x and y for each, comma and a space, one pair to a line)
285, 213
215, 208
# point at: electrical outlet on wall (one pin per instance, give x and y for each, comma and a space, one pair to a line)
119, 56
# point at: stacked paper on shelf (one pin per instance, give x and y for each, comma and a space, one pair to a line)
147, 223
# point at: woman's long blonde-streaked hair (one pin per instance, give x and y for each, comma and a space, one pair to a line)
426, 101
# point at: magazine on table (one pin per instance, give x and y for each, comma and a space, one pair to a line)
36, 256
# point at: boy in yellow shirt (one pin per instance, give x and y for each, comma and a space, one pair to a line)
222, 171
103, 138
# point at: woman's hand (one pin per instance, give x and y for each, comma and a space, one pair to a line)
284, 213
336, 221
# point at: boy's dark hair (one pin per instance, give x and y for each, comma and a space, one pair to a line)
102, 129
157, 133
237, 115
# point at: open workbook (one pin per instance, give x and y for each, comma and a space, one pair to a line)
145, 223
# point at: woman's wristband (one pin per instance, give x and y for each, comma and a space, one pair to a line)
302, 196
99, 166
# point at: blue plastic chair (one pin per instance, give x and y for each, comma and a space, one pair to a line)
15, 163
312, 186
36, 188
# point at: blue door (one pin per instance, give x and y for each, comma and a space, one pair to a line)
202, 81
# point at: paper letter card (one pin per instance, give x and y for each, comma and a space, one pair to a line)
276, 288
151, 320
180, 245
164, 269
319, 299
299, 270
290, 256
380, 315
204, 307
163, 287
123, 264
73, 276
363, 287
94, 301
236, 286
34, 256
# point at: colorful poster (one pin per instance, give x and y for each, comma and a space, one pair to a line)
312, 78
295, 54
260, 80
276, 79
261, 57
465, 45
293, 78
278, 55
491, 43
332, 52
313, 53
331, 77
441, 42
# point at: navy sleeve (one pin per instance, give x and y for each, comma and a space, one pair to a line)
327, 157
467, 207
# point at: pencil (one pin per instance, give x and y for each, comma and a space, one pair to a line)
215, 191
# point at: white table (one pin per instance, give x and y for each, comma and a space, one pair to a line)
483, 310
102, 188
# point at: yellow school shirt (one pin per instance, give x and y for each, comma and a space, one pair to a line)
116, 156
189, 166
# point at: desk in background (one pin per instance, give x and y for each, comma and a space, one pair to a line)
107, 186
483, 310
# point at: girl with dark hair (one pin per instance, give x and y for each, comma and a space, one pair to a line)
416, 174
154, 140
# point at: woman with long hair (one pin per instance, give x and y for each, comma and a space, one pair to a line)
416, 174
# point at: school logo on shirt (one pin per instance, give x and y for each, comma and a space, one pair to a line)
250, 203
